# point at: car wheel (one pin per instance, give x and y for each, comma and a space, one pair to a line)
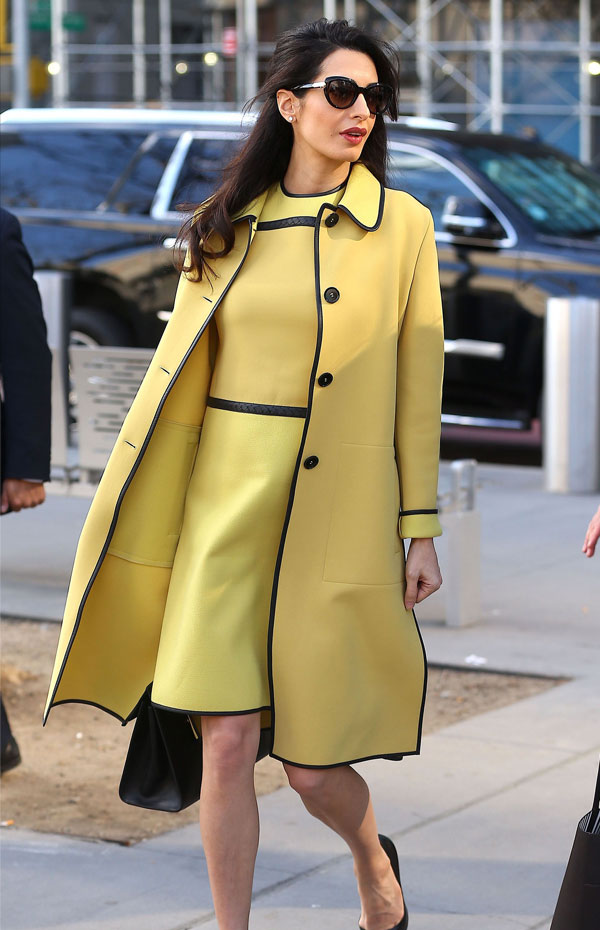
91, 327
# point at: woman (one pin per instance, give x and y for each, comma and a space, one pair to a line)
244, 549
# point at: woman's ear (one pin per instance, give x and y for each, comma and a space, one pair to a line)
288, 104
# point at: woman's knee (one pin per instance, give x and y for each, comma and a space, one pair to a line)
230, 741
307, 782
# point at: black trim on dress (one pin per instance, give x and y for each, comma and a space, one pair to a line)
271, 410
410, 513
318, 193
288, 221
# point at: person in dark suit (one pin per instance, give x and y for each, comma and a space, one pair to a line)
25, 378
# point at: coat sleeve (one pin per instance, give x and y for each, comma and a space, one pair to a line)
25, 361
419, 394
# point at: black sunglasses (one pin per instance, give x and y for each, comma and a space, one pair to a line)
342, 92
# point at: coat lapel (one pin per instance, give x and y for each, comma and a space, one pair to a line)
363, 198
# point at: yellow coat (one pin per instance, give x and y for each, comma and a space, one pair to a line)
345, 659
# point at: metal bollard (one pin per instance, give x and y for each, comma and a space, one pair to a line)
55, 293
461, 523
571, 419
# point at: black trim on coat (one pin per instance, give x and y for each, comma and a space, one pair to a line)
393, 757
425, 680
136, 464
294, 481
107, 710
344, 209
289, 221
273, 410
214, 713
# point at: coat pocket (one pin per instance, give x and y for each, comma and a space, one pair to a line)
363, 545
151, 513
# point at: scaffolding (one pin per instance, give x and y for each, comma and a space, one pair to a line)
519, 66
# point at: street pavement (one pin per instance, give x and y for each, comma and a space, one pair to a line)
483, 819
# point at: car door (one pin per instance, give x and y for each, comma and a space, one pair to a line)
83, 192
478, 276
191, 176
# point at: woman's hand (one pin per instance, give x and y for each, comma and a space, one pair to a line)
592, 535
423, 575
17, 494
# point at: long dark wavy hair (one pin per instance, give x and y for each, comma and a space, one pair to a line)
264, 157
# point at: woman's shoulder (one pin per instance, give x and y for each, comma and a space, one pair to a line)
405, 206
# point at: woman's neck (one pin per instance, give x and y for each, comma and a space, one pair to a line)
304, 176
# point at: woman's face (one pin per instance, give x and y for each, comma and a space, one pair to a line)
322, 130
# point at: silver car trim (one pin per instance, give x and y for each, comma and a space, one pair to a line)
475, 348
166, 186
132, 116
140, 115
451, 419
511, 238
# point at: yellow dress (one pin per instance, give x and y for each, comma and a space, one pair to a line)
217, 618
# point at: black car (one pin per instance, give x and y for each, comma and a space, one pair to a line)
516, 222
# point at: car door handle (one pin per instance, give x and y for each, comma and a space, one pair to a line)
476, 348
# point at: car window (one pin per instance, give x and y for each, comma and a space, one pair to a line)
559, 195
63, 169
426, 179
201, 171
134, 191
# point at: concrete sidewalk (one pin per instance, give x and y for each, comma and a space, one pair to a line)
483, 819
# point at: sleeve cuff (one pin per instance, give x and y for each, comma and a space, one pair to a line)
419, 524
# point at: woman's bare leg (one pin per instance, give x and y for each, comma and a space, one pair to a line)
229, 813
340, 798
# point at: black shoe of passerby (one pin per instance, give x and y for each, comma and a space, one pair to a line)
10, 757
9, 749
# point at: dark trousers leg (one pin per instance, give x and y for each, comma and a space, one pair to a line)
10, 755
5, 732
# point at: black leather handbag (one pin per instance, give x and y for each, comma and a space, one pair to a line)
578, 906
163, 767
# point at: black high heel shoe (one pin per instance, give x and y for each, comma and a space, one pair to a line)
390, 849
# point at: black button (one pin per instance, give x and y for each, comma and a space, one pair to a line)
331, 295
325, 379
331, 219
311, 461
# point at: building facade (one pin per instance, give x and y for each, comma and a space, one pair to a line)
519, 66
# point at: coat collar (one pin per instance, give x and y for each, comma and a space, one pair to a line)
362, 200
